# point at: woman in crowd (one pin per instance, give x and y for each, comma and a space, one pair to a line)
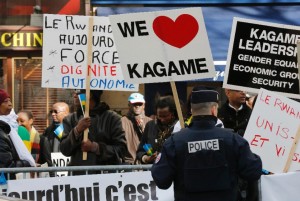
8, 154
36, 144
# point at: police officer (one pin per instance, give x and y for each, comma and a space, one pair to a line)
204, 161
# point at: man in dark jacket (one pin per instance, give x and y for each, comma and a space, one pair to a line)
202, 160
235, 113
106, 142
158, 130
58, 112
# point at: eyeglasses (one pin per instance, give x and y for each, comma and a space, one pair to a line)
55, 111
136, 104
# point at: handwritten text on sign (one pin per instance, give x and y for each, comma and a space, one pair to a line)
170, 45
264, 55
272, 128
65, 59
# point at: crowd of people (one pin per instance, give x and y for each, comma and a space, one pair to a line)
135, 138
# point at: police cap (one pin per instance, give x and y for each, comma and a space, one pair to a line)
201, 94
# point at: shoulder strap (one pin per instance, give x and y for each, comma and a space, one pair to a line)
138, 129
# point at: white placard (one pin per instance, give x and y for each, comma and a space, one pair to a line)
280, 187
271, 130
119, 186
65, 59
162, 46
60, 160
263, 55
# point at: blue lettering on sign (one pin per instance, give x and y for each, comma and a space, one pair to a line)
96, 83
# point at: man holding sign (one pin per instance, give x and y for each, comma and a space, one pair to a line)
106, 139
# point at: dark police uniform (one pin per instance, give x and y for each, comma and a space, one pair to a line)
204, 162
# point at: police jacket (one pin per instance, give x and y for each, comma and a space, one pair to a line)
236, 120
204, 162
106, 130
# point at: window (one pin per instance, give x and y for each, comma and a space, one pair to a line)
29, 95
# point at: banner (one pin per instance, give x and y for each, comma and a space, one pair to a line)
109, 187
272, 129
169, 45
280, 187
263, 55
65, 59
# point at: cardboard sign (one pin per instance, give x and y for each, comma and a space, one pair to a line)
60, 160
119, 186
271, 130
263, 55
163, 46
65, 58
279, 187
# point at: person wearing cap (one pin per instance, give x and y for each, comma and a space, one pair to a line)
204, 161
189, 117
106, 142
134, 124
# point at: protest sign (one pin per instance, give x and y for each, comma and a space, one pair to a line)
163, 46
65, 54
119, 186
263, 55
60, 160
279, 187
298, 60
271, 130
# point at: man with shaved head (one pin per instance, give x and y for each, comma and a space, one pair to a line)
58, 112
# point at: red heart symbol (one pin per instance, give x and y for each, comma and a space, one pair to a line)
178, 33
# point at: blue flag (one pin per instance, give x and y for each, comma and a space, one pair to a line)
59, 131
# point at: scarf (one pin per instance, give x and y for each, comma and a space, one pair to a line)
35, 144
137, 122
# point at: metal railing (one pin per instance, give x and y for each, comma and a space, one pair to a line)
103, 169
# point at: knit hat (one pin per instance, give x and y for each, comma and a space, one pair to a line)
3, 95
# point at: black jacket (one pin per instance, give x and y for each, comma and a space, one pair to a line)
8, 154
204, 162
236, 120
50, 135
153, 135
45, 152
106, 130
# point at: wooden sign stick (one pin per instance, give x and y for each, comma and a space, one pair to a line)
298, 61
289, 160
292, 151
87, 83
177, 103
